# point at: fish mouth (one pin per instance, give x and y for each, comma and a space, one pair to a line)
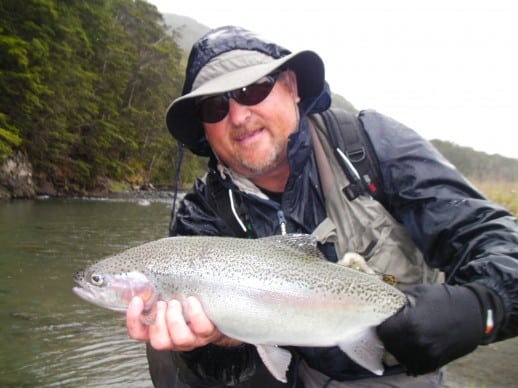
90, 295
84, 294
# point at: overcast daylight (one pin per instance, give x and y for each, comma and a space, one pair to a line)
448, 69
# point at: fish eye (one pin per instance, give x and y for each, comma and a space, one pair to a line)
96, 279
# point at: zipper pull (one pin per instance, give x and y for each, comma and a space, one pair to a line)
282, 221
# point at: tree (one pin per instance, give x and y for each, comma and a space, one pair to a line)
83, 89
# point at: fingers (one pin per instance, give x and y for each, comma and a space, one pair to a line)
199, 323
188, 326
170, 331
158, 334
175, 327
136, 329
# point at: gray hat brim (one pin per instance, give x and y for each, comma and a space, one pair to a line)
181, 116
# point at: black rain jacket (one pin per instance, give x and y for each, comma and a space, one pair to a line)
458, 230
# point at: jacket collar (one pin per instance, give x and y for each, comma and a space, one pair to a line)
299, 150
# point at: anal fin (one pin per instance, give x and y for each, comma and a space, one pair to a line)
365, 349
276, 359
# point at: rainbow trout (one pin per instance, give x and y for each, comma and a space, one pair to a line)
268, 292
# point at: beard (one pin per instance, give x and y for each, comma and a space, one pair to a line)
253, 166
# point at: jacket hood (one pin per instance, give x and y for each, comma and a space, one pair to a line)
211, 70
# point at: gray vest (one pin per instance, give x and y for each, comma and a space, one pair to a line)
363, 225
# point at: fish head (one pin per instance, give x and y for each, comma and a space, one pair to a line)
114, 290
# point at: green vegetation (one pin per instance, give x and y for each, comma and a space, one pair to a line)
479, 165
504, 193
83, 90
494, 175
84, 86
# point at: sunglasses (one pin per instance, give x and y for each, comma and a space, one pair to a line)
215, 108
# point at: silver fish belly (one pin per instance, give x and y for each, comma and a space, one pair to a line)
269, 292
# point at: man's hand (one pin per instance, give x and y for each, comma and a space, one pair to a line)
170, 330
439, 324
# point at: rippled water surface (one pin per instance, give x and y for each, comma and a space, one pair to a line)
48, 336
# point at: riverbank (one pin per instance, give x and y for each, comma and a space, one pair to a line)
17, 181
157, 195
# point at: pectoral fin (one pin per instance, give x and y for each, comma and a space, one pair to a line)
277, 360
365, 349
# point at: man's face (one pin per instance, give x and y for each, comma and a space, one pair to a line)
252, 140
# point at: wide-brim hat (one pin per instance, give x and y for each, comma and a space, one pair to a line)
234, 69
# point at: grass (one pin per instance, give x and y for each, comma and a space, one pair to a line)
504, 193
119, 186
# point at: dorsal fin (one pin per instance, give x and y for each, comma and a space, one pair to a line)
302, 243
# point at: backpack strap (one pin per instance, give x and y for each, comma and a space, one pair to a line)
354, 151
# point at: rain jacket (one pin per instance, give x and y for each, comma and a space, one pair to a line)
459, 231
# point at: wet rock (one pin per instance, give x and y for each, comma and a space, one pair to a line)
47, 188
16, 177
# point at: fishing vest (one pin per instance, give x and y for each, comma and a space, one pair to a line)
362, 225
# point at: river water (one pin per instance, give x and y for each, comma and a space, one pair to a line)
49, 337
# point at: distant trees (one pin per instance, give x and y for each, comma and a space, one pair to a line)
83, 90
479, 165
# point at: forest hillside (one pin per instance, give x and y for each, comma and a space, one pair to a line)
83, 90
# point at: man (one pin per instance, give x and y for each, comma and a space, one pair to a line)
249, 105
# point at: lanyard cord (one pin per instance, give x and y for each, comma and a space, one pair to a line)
175, 186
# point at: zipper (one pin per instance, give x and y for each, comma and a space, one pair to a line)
282, 221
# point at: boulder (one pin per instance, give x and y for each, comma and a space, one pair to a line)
16, 177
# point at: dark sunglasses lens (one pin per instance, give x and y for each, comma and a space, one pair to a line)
255, 93
213, 109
